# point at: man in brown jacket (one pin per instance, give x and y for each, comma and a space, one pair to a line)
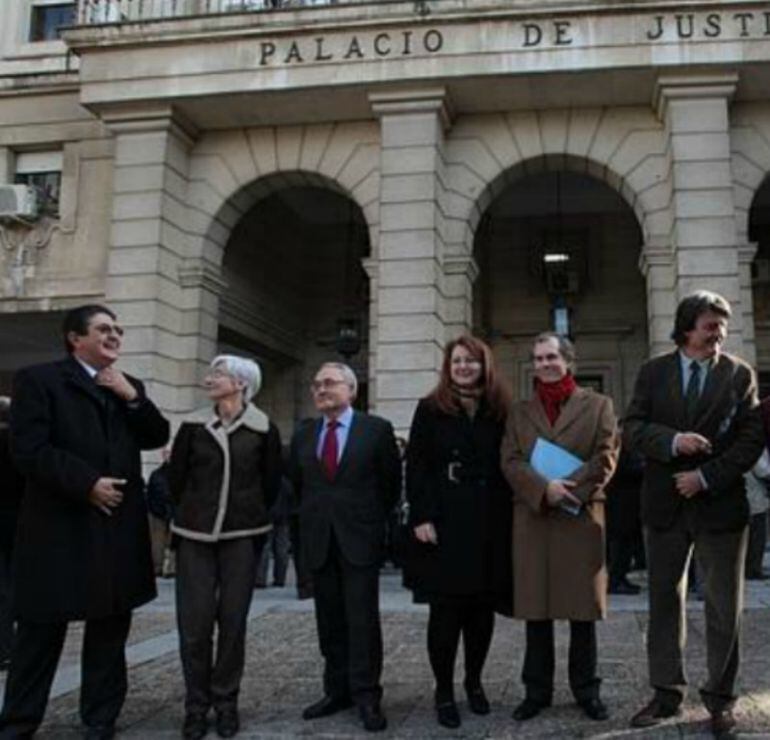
694, 417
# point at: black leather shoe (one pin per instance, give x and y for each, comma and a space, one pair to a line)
594, 708
195, 726
723, 723
327, 706
528, 709
227, 722
99, 732
477, 700
654, 713
447, 715
372, 717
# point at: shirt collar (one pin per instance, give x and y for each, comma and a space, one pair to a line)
92, 373
686, 362
344, 419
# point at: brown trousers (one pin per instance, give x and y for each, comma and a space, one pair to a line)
720, 557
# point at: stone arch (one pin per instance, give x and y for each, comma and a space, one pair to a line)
750, 160
230, 171
624, 147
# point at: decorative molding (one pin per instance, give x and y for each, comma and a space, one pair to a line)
23, 242
746, 252
654, 257
683, 87
202, 275
148, 118
434, 99
461, 265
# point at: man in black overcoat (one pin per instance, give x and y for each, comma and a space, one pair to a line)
346, 471
82, 547
694, 416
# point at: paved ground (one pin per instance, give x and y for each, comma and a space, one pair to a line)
283, 675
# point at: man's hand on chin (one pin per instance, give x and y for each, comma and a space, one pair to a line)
688, 483
112, 378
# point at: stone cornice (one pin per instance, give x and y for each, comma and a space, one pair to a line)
417, 100
147, 117
688, 87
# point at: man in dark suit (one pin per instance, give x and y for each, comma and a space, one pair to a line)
82, 547
346, 471
694, 416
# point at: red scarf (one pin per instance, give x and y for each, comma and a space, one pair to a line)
553, 395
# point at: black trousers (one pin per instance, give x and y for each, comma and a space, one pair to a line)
757, 543
347, 610
214, 585
34, 658
539, 661
445, 625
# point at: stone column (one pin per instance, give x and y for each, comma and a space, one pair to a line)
704, 249
167, 302
413, 309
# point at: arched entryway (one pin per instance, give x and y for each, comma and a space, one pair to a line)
296, 293
560, 249
759, 234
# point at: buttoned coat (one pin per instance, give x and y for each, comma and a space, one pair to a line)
558, 558
354, 505
726, 414
71, 560
454, 481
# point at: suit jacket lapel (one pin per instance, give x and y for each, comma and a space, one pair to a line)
78, 377
716, 381
536, 413
570, 411
674, 387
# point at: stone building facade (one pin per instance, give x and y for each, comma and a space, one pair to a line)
234, 176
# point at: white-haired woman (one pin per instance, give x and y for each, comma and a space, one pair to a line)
224, 474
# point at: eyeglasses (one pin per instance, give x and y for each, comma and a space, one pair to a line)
107, 329
326, 384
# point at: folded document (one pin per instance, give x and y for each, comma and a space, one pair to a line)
553, 462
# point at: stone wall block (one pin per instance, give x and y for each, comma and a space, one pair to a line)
411, 300
698, 116
403, 273
525, 127
415, 215
704, 203
412, 244
554, 125
582, 128
314, 143
700, 147
262, 142
406, 161
707, 262
288, 147
706, 232
414, 356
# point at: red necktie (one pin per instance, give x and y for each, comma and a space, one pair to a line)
329, 450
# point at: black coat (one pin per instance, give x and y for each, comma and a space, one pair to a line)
727, 414
356, 503
454, 481
71, 560
10, 493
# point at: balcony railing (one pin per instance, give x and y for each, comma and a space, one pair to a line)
93, 12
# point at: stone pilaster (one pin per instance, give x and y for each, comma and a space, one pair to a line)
167, 302
411, 305
704, 249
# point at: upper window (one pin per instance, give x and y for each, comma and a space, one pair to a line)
41, 170
48, 20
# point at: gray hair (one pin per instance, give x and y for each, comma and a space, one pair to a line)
243, 369
566, 348
347, 374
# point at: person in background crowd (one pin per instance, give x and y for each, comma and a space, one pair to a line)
82, 549
757, 492
694, 417
10, 500
346, 473
460, 510
278, 540
623, 520
224, 475
161, 507
558, 525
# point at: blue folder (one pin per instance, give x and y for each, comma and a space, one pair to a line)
552, 462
